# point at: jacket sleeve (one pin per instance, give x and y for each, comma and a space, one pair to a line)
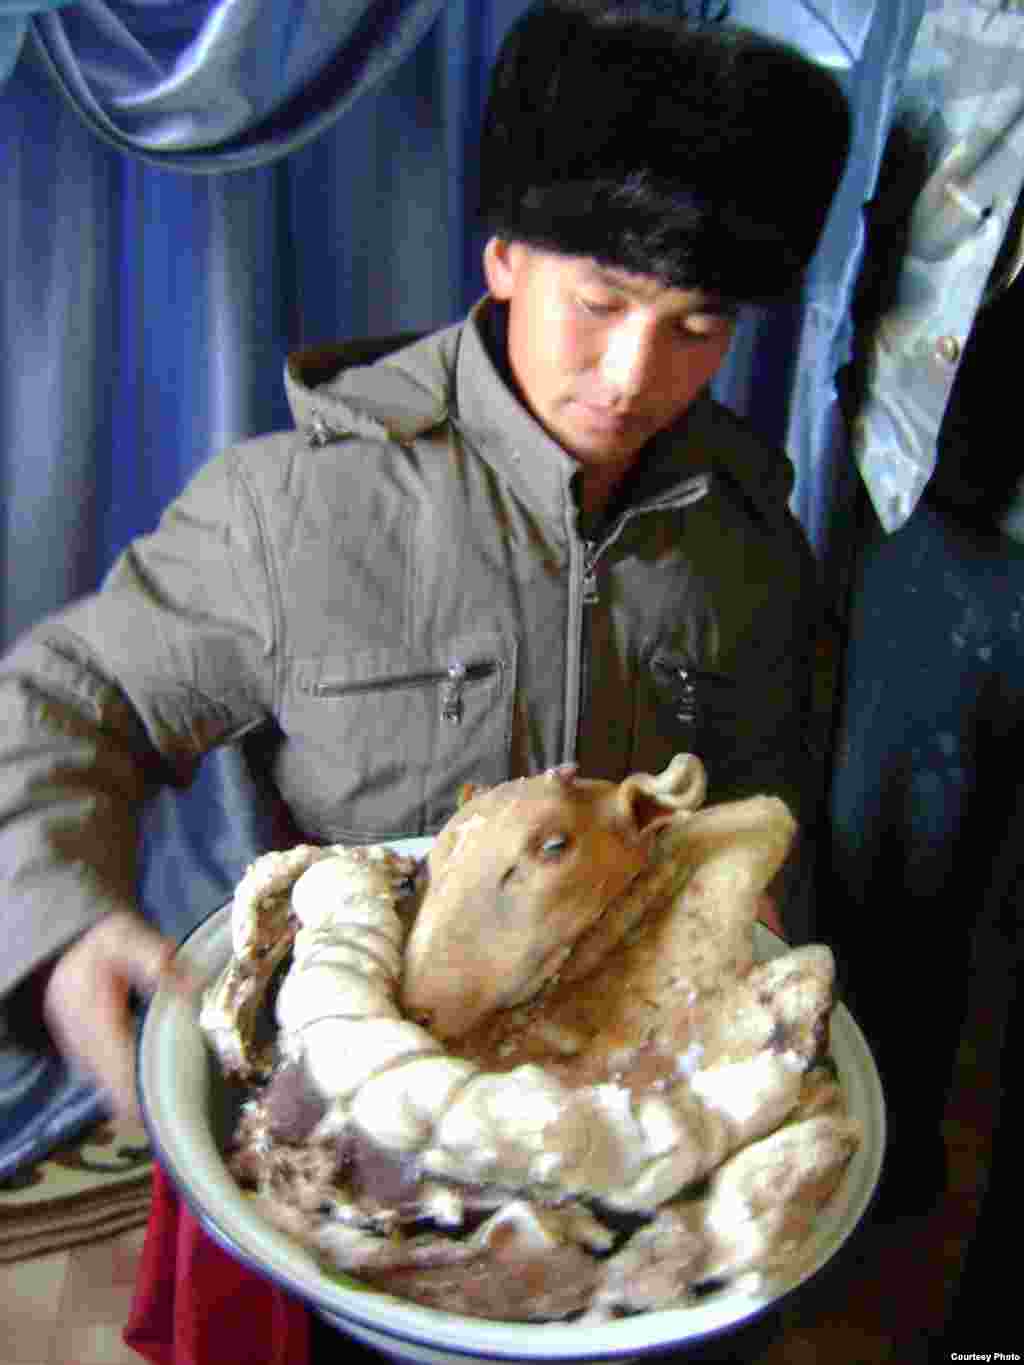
784, 723
123, 691
768, 711
759, 719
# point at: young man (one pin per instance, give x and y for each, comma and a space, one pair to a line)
529, 539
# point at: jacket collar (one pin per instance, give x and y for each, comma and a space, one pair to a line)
492, 419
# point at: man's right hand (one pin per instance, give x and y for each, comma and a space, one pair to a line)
87, 1001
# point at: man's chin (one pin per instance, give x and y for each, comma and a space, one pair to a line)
587, 441
596, 450
592, 430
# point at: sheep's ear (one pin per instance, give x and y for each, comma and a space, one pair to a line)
646, 804
641, 814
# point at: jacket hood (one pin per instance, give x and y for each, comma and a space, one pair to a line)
341, 390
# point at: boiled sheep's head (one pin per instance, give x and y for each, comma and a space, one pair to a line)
519, 873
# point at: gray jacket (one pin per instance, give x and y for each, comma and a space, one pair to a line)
394, 599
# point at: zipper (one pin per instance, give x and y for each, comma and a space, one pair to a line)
452, 682
590, 592
582, 564
692, 491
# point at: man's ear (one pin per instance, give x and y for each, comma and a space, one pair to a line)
499, 267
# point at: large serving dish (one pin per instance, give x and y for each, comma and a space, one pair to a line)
189, 1113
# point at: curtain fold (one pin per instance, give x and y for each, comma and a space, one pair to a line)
212, 87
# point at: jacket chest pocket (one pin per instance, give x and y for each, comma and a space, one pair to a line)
379, 742
686, 707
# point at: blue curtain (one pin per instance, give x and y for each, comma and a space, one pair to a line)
155, 271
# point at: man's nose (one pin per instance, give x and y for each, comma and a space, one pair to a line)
630, 358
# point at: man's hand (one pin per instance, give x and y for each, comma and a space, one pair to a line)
87, 999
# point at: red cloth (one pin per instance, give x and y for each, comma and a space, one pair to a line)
195, 1304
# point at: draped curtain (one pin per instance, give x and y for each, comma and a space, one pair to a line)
193, 190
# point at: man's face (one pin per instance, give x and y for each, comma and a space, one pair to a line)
603, 358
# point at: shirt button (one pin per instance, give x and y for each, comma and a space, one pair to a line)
947, 348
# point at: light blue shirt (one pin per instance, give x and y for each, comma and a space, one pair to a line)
962, 100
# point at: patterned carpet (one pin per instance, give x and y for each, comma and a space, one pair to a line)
94, 1187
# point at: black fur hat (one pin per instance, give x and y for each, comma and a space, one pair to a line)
705, 156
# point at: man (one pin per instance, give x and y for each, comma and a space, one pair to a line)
532, 538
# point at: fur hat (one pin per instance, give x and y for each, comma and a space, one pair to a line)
705, 156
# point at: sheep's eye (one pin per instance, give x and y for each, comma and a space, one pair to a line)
554, 846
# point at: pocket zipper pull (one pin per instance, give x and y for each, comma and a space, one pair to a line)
451, 693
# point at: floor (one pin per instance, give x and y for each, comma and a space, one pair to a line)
70, 1308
